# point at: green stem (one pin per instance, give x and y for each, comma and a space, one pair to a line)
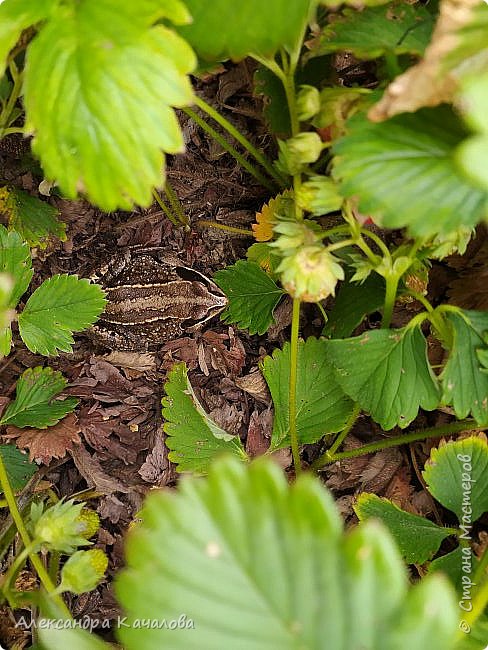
12, 100
392, 66
13, 569
478, 605
325, 458
372, 257
165, 208
222, 226
231, 130
435, 432
292, 400
54, 565
175, 203
340, 244
12, 129
422, 299
19, 523
230, 149
377, 240
390, 297
482, 567
288, 81
322, 311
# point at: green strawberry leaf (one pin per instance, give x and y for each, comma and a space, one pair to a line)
19, 468
322, 406
58, 637
34, 404
405, 173
472, 153
251, 27
33, 219
457, 476
398, 28
61, 305
353, 302
193, 438
271, 568
464, 381
451, 565
387, 372
277, 117
15, 261
417, 538
92, 56
15, 16
16, 268
252, 295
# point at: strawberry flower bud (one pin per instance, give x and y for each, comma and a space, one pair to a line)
308, 102
299, 151
295, 234
319, 196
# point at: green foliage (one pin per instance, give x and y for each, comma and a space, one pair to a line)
61, 305
34, 220
405, 174
251, 27
457, 476
194, 439
89, 57
269, 86
283, 573
19, 468
464, 381
353, 302
15, 260
397, 27
417, 537
387, 373
17, 15
252, 295
75, 638
321, 405
34, 404
16, 264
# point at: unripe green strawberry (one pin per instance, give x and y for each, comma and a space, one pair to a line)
308, 102
89, 522
310, 274
83, 571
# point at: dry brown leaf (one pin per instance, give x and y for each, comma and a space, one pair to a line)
227, 360
255, 384
157, 469
426, 84
46, 444
113, 509
228, 417
259, 432
91, 470
282, 318
142, 362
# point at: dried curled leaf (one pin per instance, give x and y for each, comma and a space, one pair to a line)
427, 83
46, 444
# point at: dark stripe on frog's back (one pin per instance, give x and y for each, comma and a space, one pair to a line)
179, 300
